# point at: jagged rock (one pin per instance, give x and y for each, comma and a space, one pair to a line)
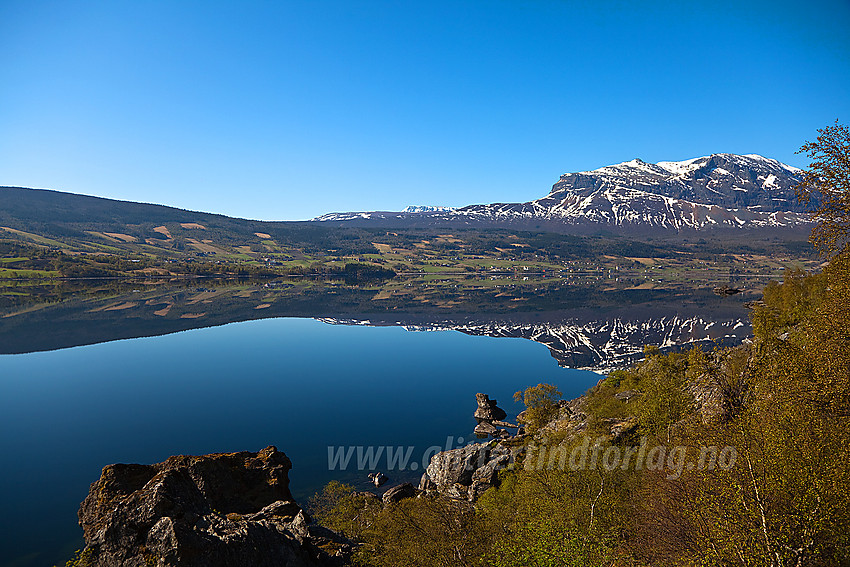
465, 473
280, 508
487, 409
398, 493
489, 417
455, 467
425, 483
226, 509
488, 475
485, 428
378, 478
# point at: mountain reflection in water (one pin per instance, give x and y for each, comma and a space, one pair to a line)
583, 326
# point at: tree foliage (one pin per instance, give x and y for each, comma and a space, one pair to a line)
340, 508
425, 532
541, 403
554, 517
826, 186
786, 500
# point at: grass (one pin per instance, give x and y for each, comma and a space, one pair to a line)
34, 237
31, 274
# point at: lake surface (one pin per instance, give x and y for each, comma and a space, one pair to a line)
297, 383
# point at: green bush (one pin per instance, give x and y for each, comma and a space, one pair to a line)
541, 403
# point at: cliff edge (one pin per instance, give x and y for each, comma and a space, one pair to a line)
231, 509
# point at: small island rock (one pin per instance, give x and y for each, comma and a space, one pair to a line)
488, 410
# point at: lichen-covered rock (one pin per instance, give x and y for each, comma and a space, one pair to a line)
465, 473
230, 509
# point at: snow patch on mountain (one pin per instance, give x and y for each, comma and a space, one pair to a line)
427, 209
720, 190
716, 190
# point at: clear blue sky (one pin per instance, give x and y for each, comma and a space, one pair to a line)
286, 110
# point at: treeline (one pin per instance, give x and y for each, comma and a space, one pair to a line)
750, 460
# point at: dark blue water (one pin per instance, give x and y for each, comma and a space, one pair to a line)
299, 384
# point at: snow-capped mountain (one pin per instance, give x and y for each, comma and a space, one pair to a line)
599, 344
720, 190
427, 209
411, 213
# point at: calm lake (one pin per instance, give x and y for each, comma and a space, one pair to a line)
300, 384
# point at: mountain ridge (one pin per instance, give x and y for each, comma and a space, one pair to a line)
722, 197
715, 191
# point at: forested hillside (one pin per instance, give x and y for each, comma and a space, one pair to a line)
781, 403
735, 456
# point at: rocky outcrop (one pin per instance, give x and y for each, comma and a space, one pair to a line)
487, 410
489, 417
227, 509
378, 478
398, 493
719, 394
465, 473
486, 429
572, 420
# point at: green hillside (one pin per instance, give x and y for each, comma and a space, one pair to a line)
54, 234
